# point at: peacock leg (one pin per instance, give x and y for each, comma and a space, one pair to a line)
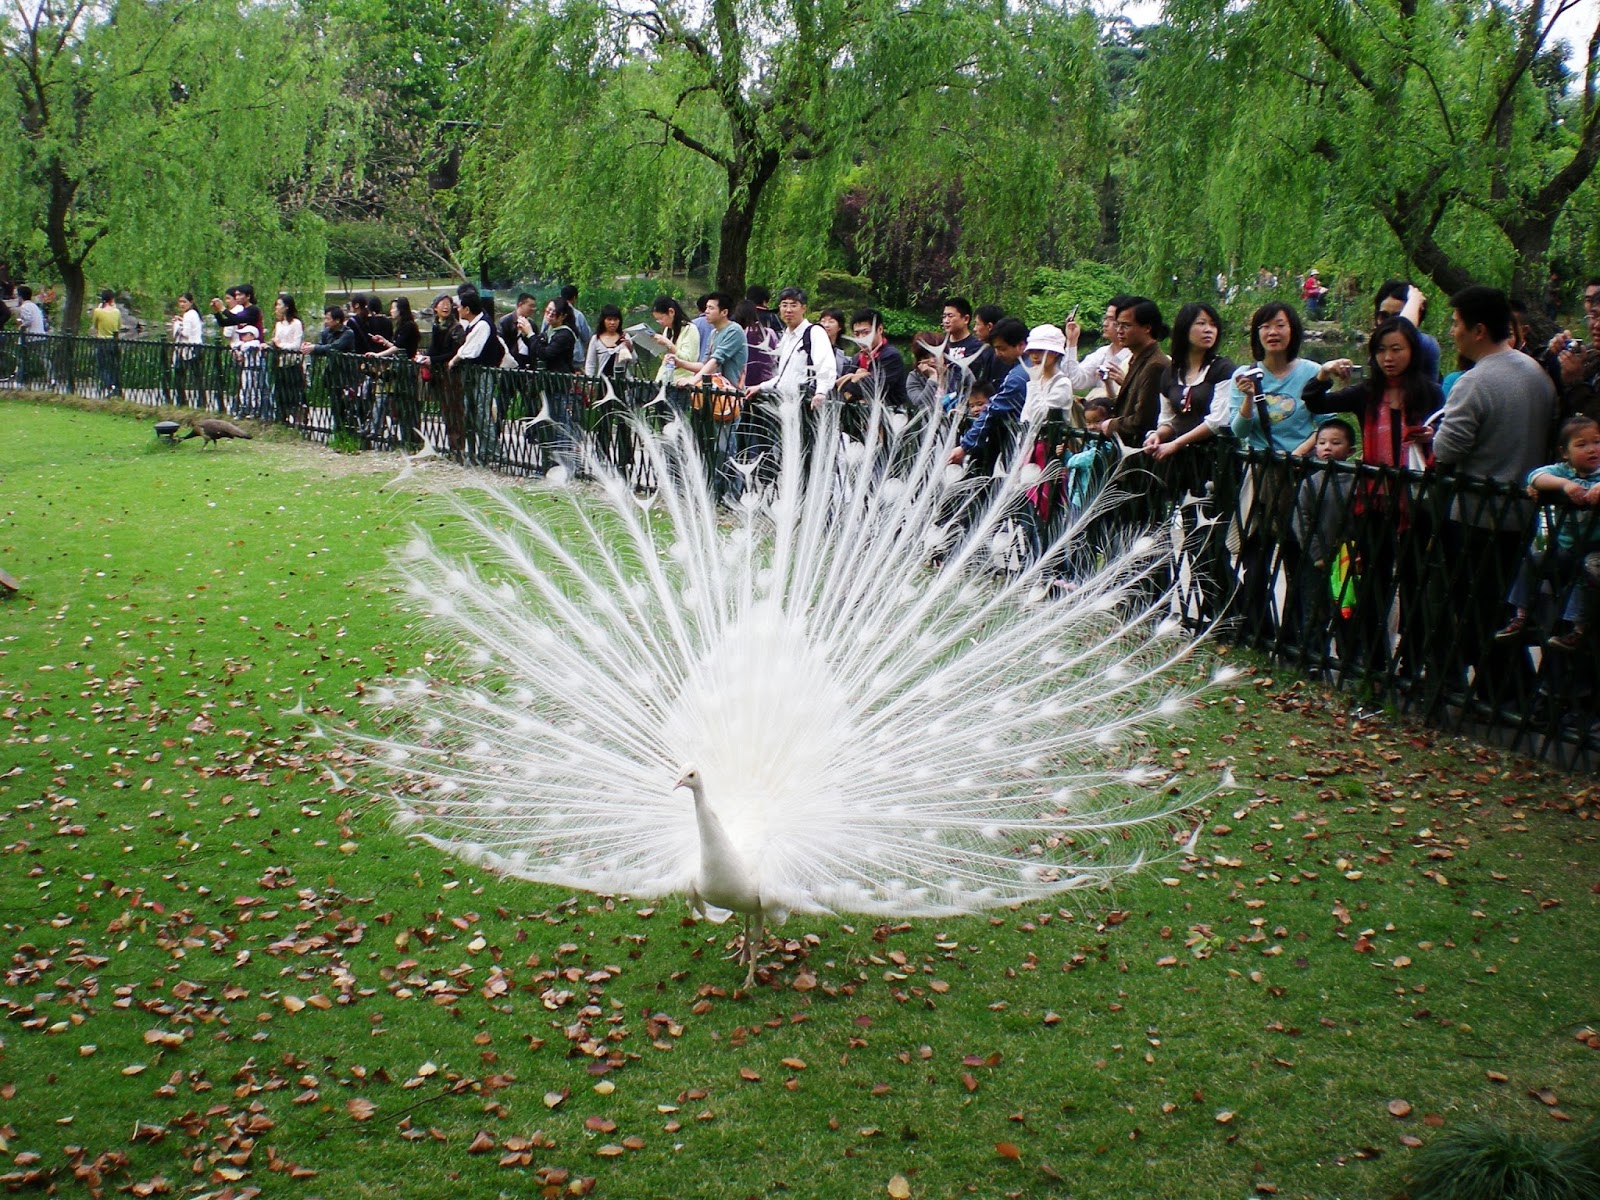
755, 933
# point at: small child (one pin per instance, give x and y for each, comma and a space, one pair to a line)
1322, 507
1088, 469
1576, 477
1322, 525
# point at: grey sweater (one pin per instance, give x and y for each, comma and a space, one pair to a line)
1496, 425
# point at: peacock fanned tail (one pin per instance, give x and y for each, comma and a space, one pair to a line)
893, 712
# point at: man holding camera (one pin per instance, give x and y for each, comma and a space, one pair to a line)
1575, 367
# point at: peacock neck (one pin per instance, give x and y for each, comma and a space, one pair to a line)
725, 877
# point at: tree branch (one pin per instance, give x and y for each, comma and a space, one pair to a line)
673, 130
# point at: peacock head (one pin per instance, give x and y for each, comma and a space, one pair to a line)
689, 778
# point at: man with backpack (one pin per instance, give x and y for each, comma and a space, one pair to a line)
805, 363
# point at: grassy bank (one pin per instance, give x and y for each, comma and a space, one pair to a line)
225, 970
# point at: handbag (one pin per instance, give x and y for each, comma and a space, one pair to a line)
726, 401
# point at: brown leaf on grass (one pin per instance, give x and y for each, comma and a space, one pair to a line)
794, 1064
1497, 1076
1544, 1096
1008, 1150
481, 1144
1399, 1108
749, 1076
1410, 1140
899, 1189
1557, 1115
553, 1099
360, 1108
1225, 1116
969, 1081
1433, 1121
804, 982
610, 1151
599, 1124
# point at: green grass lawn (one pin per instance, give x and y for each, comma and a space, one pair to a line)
225, 971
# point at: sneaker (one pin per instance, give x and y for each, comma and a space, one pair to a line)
1567, 642
1515, 628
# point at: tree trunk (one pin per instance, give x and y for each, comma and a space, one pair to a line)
73, 288
733, 247
1531, 241
748, 176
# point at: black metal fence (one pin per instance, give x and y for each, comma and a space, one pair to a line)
1404, 588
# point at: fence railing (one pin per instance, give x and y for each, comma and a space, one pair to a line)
1401, 587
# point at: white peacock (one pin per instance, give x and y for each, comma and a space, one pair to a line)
851, 696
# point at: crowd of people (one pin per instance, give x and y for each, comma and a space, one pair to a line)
1327, 517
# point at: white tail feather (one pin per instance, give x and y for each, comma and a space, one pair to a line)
874, 734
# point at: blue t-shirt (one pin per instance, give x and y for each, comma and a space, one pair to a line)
730, 349
1569, 525
1291, 421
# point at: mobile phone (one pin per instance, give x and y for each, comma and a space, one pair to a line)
1073, 315
1356, 370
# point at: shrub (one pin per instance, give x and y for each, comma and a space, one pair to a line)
1481, 1161
842, 289
903, 322
1052, 293
367, 248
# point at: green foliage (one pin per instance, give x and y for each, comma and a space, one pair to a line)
1484, 1161
1087, 286
415, 72
633, 142
1403, 136
842, 288
343, 441
169, 146
904, 322
369, 248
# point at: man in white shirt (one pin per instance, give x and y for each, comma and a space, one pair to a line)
806, 367
30, 317
30, 323
1112, 357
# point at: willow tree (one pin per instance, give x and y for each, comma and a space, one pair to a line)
415, 71
1444, 129
631, 132
164, 142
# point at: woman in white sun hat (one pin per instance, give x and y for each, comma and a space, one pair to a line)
1049, 389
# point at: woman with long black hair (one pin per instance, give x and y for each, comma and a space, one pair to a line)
400, 379
288, 361
1194, 405
607, 359
444, 340
1393, 403
1194, 409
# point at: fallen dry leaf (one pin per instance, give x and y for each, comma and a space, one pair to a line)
1008, 1150
1399, 1108
899, 1189
360, 1108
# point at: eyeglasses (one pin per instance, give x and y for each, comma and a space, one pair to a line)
1123, 326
